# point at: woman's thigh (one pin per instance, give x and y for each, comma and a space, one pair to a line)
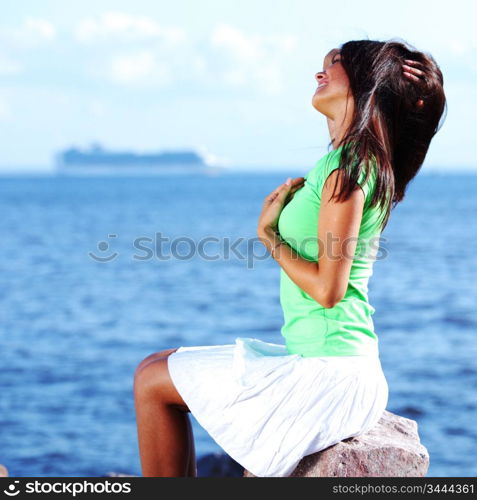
152, 374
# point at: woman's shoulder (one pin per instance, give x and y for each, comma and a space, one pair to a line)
331, 161
323, 167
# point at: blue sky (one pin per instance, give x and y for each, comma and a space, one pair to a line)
233, 79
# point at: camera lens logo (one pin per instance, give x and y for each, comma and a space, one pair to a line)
12, 491
103, 246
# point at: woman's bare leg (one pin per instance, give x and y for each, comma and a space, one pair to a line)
165, 438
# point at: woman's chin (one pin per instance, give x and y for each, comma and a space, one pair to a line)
317, 103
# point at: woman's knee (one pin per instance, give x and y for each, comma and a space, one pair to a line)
149, 378
153, 380
153, 357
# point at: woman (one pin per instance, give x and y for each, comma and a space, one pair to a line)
269, 405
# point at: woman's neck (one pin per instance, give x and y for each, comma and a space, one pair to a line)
338, 127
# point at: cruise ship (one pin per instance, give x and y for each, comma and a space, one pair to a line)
98, 160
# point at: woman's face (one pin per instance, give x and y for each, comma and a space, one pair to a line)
331, 94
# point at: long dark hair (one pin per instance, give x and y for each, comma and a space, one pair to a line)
387, 123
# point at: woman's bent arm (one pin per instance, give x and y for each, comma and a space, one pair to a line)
326, 281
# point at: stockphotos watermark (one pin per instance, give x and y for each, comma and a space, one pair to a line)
67, 488
249, 250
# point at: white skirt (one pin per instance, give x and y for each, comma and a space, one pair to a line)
267, 409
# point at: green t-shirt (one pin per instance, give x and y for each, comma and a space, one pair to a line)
346, 329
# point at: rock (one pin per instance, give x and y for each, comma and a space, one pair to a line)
218, 465
390, 449
3, 471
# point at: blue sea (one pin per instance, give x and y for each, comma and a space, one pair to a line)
99, 272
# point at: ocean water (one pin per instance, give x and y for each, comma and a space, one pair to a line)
88, 289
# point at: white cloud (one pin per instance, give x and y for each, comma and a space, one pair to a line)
144, 62
114, 25
32, 32
39, 29
252, 59
250, 47
236, 43
139, 68
229, 56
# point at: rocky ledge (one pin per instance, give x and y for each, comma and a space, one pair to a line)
390, 449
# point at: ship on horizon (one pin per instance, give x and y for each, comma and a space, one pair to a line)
98, 160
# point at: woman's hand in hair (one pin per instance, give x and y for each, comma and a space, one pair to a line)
412, 72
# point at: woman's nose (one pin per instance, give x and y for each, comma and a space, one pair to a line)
319, 76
